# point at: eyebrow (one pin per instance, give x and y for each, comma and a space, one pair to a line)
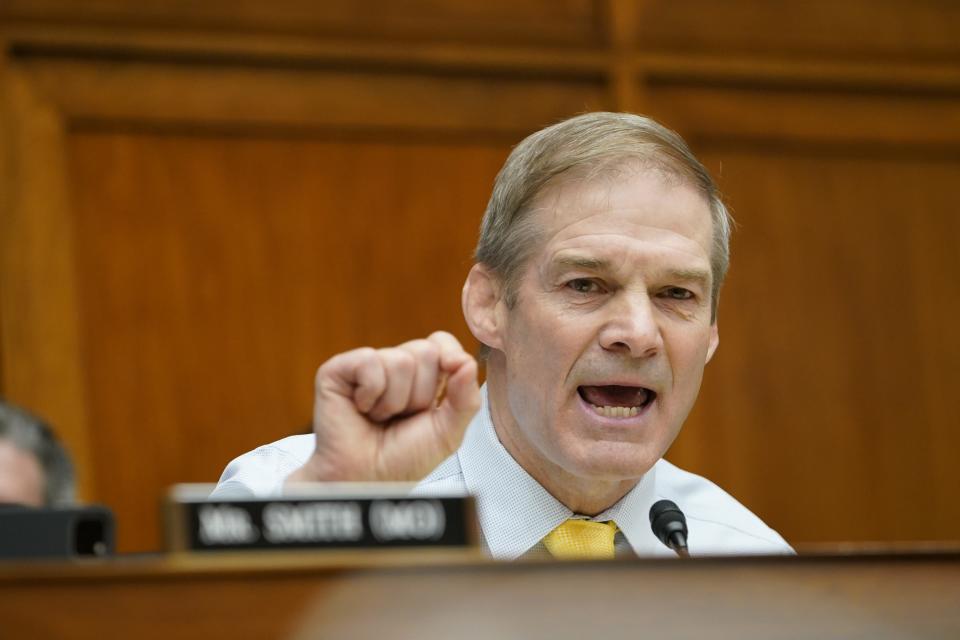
600, 264
582, 262
699, 276
690, 275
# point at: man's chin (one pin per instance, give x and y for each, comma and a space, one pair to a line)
614, 464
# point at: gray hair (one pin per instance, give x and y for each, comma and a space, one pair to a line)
596, 142
31, 435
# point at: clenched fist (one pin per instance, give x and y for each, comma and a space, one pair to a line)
391, 414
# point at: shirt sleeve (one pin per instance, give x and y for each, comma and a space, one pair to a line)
261, 473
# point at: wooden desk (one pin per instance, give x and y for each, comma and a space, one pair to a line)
446, 595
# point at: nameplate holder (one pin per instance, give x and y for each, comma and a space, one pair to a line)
336, 516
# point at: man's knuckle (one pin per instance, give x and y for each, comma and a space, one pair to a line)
431, 352
365, 354
326, 370
426, 352
405, 361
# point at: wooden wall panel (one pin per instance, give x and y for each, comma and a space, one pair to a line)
217, 274
140, 353
570, 22
808, 115
818, 28
38, 295
845, 275
828, 404
234, 96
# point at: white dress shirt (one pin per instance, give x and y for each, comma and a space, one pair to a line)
515, 512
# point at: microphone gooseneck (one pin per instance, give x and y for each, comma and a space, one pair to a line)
670, 526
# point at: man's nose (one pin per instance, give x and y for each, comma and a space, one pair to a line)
632, 328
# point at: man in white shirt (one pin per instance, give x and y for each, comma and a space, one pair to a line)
594, 295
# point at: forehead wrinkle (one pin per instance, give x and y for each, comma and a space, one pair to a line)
617, 250
581, 226
566, 224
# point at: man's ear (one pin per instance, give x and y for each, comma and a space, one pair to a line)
482, 306
714, 340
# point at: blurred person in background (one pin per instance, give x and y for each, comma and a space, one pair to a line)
35, 469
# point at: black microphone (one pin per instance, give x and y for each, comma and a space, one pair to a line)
670, 526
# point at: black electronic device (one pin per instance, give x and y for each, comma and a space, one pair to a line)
61, 532
670, 526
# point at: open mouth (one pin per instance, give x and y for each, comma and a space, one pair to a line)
616, 401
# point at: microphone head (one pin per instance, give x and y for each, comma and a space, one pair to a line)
667, 520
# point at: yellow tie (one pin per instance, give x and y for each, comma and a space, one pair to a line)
581, 540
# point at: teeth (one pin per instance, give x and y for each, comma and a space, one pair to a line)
616, 412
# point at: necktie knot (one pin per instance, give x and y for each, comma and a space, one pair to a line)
581, 540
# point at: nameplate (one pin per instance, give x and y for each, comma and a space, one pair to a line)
334, 519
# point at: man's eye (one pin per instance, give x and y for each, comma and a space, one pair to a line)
678, 293
583, 285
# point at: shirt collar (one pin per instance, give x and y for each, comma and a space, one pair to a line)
515, 512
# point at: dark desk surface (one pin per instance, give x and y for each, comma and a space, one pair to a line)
458, 594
